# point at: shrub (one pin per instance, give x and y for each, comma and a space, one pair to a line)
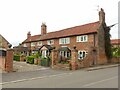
116, 52
45, 61
30, 59
16, 57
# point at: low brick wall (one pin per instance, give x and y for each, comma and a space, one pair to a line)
6, 60
115, 60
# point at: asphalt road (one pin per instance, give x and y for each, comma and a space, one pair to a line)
103, 78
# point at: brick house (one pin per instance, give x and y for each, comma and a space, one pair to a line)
89, 39
21, 50
115, 42
6, 55
3, 42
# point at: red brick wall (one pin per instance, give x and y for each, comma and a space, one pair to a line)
79, 45
9, 60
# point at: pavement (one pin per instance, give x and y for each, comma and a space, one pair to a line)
24, 67
102, 67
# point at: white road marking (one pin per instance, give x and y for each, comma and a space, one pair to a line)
90, 84
35, 78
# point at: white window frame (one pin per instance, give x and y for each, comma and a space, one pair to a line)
83, 38
81, 54
64, 40
33, 44
65, 54
50, 42
39, 43
25, 45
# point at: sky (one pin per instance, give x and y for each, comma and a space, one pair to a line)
17, 17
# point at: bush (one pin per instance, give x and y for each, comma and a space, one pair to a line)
16, 57
116, 52
30, 59
45, 61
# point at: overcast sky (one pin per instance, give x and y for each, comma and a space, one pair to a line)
17, 17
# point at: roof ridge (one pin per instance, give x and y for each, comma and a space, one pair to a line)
74, 27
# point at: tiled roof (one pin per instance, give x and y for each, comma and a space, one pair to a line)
115, 41
32, 38
1, 39
77, 30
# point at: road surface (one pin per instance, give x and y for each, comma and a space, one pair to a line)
102, 78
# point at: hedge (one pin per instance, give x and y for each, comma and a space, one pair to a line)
45, 61
16, 57
30, 59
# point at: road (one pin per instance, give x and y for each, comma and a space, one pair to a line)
102, 78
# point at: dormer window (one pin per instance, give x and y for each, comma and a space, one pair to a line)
25, 45
32, 44
39, 43
50, 42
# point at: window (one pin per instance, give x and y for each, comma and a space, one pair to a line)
65, 54
83, 38
45, 53
25, 45
50, 42
81, 54
39, 43
32, 44
64, 40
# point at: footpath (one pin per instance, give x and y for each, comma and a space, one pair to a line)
102, 67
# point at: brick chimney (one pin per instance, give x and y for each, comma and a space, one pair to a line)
102, 16
28, 34
43, 29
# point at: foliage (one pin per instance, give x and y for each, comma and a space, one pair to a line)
30, 59
45, 61
108, 43
16, 57
36, 55
116, 52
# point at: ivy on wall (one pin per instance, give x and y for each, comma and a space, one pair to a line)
108, 45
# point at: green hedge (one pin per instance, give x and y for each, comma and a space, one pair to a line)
16, 57
116, 52
30, 59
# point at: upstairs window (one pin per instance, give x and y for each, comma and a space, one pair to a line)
32, 44
39, 43
50, 42
64, 40
25, 45
83, 38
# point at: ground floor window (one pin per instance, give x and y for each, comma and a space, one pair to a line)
65, 54
81, 54
45, 53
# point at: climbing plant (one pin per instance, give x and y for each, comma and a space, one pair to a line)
108, 43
